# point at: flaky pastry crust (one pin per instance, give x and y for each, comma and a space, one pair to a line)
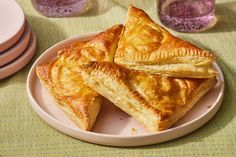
157, 102
146, 46
75, 98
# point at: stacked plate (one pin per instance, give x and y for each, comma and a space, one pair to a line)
17, 41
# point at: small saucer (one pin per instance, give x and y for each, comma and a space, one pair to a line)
12, 23
21, 61
17, 49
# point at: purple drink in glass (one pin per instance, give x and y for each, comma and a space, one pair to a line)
62, 8
187, 15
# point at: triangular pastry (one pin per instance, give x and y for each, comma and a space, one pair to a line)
146, 46
155, 101
75, 98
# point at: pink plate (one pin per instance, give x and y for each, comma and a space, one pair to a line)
12, 23
21, 61
114, 127
17, 49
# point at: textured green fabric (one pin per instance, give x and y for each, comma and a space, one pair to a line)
23, 133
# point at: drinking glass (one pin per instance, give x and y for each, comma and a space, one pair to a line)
62, 8
187, 15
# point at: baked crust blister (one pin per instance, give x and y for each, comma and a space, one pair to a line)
155, 101
65, 84
148, 47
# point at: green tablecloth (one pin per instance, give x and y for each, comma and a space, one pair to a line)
23, 133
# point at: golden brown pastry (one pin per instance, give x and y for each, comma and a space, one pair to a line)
75, 98
157, 102
146, 46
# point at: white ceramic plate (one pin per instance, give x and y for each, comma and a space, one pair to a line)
11, 24
114, 127
17, 49
21, 61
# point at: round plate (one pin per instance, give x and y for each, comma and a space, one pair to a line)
126, 131
17, 49
12, 23
21, 61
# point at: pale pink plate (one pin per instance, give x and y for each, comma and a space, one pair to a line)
20, 61
12, 23
17, 49
114, 127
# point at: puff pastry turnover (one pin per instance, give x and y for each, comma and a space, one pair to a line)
146, 46
75, 98
157, 102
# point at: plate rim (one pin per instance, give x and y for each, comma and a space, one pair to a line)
53, 122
